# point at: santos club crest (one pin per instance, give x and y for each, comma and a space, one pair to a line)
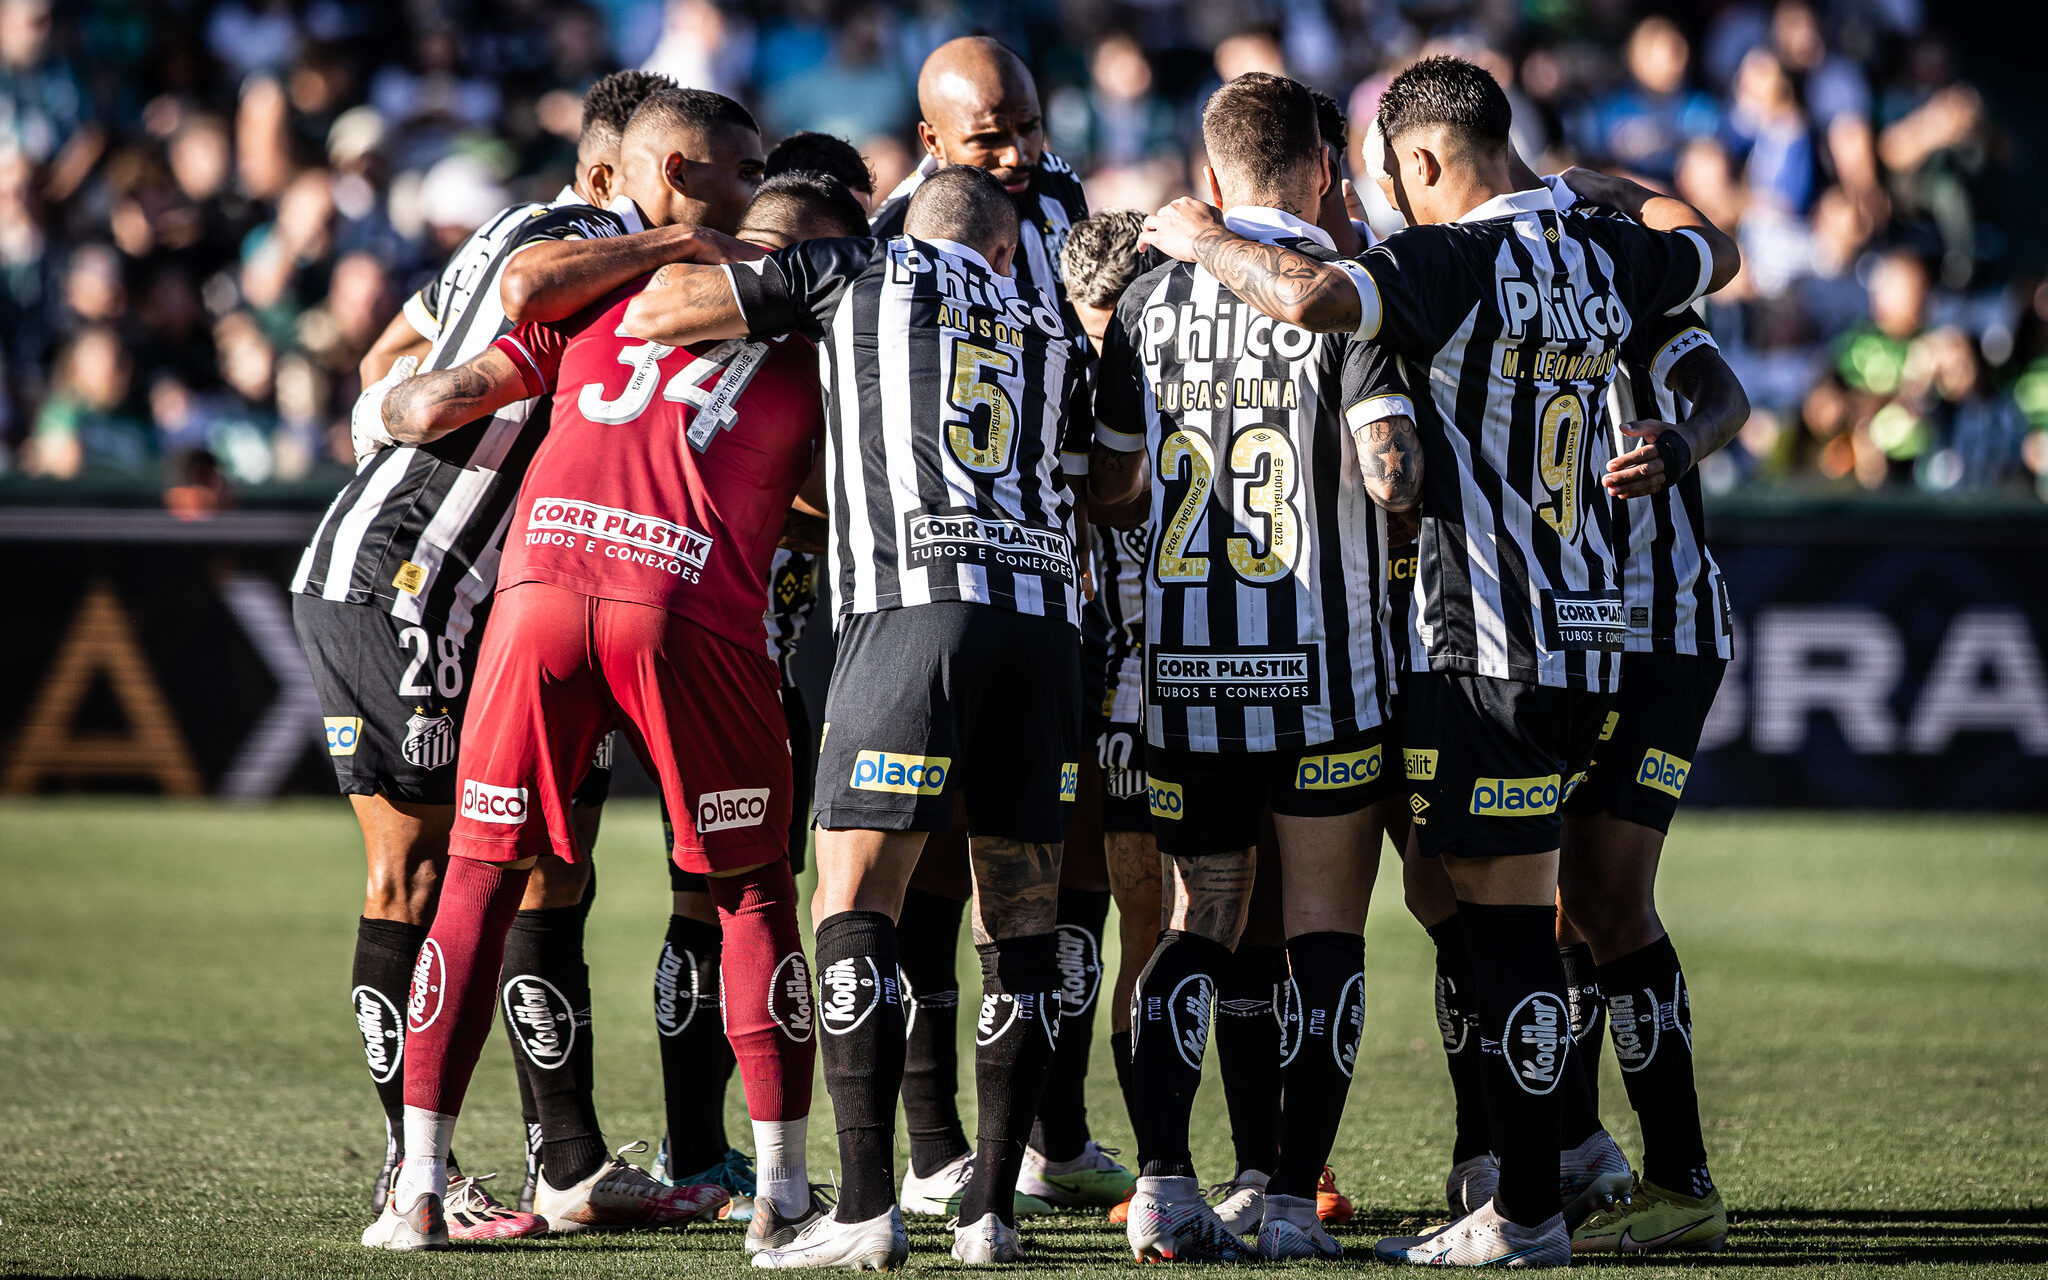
429, 740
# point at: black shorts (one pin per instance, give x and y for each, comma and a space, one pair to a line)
392, 694
1650, 736
1120, 751
934, 698
1207, 802
803, 750
596, 786
1489, 762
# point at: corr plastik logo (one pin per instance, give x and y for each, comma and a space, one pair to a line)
1419, 763
1663, 772
1536, 1040
1070, 781
1163, 798
1515, 797
485, 803
343, 732
1338, 772
724, 810
904, 775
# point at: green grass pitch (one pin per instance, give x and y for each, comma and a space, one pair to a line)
182, 1094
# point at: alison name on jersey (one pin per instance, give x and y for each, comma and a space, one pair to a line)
616, 534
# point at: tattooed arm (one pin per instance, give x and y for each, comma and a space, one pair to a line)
1116, 479
1016, 887
686, 303
1720, 408
433, 404
555, 279
1390, 455
1286, 285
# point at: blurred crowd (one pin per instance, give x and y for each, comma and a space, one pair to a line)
208, 211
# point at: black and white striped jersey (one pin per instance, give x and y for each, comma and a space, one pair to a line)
951, 395
1045, 215
792, 590
1511, 320
1265, 614
418, 529
1676, 599
1121, 558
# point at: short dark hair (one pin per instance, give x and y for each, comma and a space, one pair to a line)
611, 101
802, 204
1260, 128
697, 111
1102, 257
809, 151
1444, 90
1330, 121
963, 203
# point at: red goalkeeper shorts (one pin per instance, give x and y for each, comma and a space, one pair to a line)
559, 670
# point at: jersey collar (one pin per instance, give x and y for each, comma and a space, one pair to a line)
1539, 200
958, 250
1263, 222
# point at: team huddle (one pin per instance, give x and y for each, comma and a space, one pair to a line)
1177, 561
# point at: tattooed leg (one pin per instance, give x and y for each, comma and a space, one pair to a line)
1209, 896
1016, 888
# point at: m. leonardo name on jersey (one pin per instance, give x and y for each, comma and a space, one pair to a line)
627, 535
1266, 677
983, 540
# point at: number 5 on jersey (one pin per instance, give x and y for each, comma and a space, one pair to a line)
972, 391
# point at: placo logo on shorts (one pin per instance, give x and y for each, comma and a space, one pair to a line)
724, 810
904, 775
1337, 772
1419, 763
541, 1020
1663, 772
383, 1034
848, 992
789, 996
1070, 781
1535, 1041
343, 733
1515, 797
486, 803
1163, 798
429, 981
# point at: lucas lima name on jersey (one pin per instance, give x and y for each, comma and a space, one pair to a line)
667, 472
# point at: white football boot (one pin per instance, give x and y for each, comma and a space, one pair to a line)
878, 1244
1471, 1183
1242, 1205
1291, 1229
938, 1193
1591, 1176
1170, 1222
623, 1197
987, 1241
421, 1225
1483, 1238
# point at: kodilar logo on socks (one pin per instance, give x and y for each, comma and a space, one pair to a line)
789, 997
541, 1020
1538, 1036
429, 984
998, 1011
1080, 961
383, 1034
1291, 1021
1448, 1024
1347, 1025
1187, 1017
848, 992
674, 1008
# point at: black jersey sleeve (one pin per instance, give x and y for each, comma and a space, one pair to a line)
797, 288
1658, 343
1403, 285
1119, 407
1659, 273
1077, 427
1375, 385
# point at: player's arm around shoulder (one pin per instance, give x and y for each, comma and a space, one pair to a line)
1661, 213
685, 303
421, 409
1291, 287
553, 279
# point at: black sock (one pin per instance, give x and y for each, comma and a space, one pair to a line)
1251, 1038
1650, 1015
1457, 1020
928, 933
1062, 1129
1328, 971
545, 987
1014, 1042
1588, 1008
861, 1012
696, 1059
1120, 1054
381, 978
529, 1122
1169, 1037
1525, 1038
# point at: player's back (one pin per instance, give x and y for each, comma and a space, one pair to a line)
1265, 620
667, 472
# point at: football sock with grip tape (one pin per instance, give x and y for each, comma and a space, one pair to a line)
860, 1021
1062, 1129
1581, 1087
696, 1058
767, 985
1250, 1002
1525, 1036
1015, 1037
1328, 973
386, 951
454, 984
1169, 1038
1457, 1020
546, 992
928, 932
1649, 1015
